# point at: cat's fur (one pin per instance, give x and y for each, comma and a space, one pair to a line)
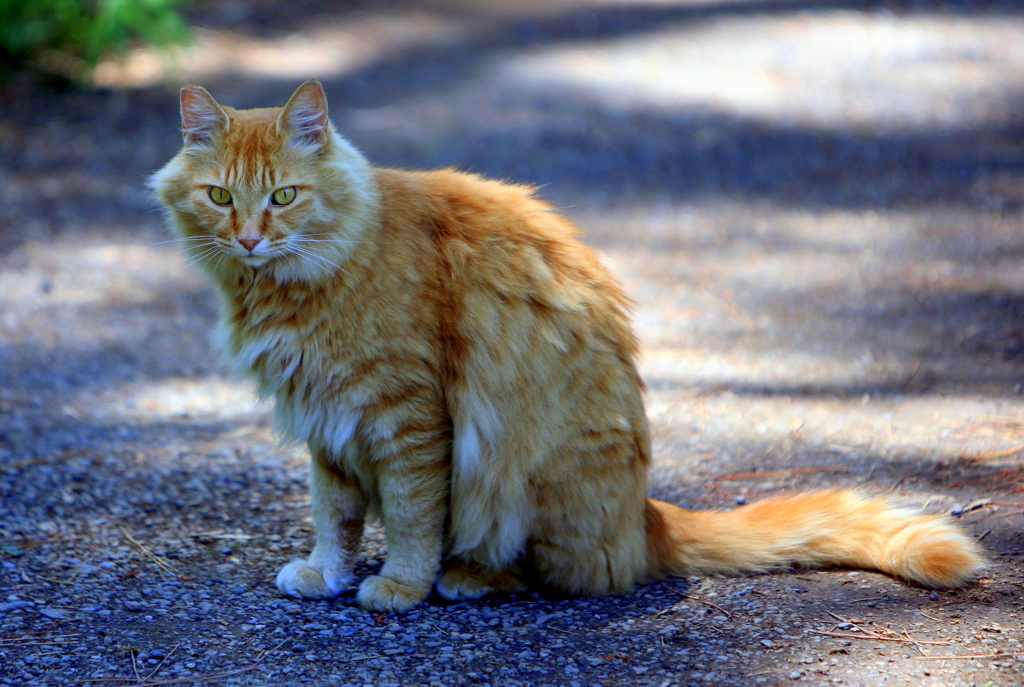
462, 366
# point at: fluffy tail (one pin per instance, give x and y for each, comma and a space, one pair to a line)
813, 529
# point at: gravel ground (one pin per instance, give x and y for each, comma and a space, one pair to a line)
816, 205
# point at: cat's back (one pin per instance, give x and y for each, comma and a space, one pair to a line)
498, 239
520, 301
462, 207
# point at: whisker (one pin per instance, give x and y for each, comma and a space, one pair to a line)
308, 254
205, 258
219, 258
291, 250
193, 291
204, 247
190, 249
209, 252
181, 239
340, 241
305, 237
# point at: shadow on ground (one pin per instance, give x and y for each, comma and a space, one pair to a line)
823, 305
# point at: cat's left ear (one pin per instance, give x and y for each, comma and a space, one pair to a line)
202, 119
304, 119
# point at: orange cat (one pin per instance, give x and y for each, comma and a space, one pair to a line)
462, 367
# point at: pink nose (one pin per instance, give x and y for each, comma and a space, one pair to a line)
249, 243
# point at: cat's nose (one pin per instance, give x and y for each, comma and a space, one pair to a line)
249, 243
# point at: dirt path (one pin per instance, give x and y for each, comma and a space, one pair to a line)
816, 205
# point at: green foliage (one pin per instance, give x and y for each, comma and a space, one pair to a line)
83, 31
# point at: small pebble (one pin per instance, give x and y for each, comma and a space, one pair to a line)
15, 605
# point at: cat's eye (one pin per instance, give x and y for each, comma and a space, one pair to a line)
220, 196
283, 196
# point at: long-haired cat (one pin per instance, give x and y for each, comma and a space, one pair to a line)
462, 367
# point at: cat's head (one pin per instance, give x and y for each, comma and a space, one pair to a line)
273, 189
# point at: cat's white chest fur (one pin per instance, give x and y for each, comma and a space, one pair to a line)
275, 360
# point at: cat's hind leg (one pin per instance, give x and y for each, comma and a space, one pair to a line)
339, 510
464, 580
612, 566
588, 532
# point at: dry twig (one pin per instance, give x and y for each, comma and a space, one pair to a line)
160, 562
997, 654
886, 634
225, 535
149, 682
39, 641
161, 663
703, 601
783, 473
867, 634
209, 677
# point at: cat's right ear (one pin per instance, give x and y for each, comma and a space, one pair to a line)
202, 119
304, 119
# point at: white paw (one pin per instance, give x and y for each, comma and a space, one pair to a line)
387, 596
301, 580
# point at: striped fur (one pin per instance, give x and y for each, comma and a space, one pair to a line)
462, 367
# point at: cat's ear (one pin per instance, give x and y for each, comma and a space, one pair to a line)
304, 119
202, 119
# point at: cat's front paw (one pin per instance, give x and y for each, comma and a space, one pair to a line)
384, 595
303, 581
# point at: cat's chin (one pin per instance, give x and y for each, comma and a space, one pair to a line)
254, 260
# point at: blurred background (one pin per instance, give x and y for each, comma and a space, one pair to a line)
816, 205
816, 201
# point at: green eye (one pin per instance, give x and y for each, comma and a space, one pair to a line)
283, 196
219, 195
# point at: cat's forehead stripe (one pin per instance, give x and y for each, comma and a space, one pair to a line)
243, 172
242, 149
250, 164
